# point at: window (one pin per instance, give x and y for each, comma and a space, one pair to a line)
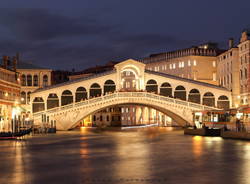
23, 80
174, 66
127, 84
127, 110
214, 63
189, 63
45, 80
29, 80
35, 80
28, 97
170, 66
195, 63
127, 73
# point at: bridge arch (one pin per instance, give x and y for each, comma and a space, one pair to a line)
81, 94
95, 90
180, 93
194, 96
38, 104
166, 89
66, 98
223, 102
52, 101
152, 86
109, 86
208, 99
175, 116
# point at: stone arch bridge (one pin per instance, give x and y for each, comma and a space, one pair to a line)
128, 83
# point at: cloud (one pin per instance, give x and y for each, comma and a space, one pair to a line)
41, 24
60, 41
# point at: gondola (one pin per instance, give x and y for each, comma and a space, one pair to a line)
14, 135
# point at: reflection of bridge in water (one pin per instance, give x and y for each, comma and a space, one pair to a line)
69, 102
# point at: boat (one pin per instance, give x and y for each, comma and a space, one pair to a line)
14, 135
215, 119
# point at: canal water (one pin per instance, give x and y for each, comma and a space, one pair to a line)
155, 155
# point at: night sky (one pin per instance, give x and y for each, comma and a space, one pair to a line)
66, 34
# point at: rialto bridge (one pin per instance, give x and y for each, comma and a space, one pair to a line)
128, 83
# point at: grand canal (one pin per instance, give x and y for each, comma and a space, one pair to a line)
155, 155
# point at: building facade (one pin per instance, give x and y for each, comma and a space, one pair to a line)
244, 54
197, 63
32, 77
228, 71
9, 94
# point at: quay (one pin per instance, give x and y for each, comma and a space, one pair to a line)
225, 134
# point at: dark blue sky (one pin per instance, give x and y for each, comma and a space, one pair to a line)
64, 34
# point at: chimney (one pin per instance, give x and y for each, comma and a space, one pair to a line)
5, 62
14, 63
231, 43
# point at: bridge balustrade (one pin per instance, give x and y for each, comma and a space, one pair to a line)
126, 94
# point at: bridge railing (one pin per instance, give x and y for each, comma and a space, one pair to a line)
127, 94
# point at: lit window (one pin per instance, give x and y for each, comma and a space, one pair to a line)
183, 64
127, 110
180, 64
195, 63
214, 63
127, 84
170, 66
189, 63
214, 76
174, 66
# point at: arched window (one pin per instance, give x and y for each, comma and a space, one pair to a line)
180, 93
95, 90
208, 99
45, 81
23, 97
109, 86
246, 76
152, 86
35, 80
81, 94
23, 80
67, 97
166, 90
29, 80
223, 102
52, 101
194, 96
28, 97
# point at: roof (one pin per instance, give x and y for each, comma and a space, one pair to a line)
76, 80
26, 65
186, 80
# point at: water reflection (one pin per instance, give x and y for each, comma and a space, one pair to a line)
132, 157
155, 155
